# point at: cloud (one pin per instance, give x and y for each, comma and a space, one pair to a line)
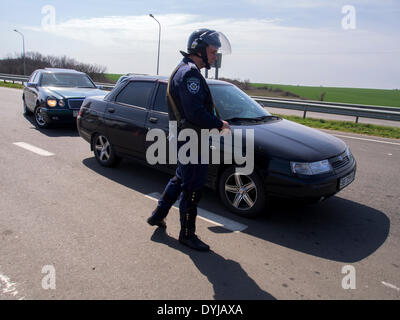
318, 3
262, 49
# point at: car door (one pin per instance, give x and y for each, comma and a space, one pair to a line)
125, 118
158, 118
30, 93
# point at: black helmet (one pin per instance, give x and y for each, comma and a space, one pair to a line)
201, 38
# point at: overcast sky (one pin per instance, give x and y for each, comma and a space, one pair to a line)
300, 42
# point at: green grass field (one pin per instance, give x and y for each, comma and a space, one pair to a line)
113, 77
346, 95
11, 85
347, 126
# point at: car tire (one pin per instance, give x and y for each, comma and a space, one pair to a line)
26, 111
41, 121
244, 195
104, 151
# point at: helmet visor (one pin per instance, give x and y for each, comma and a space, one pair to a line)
219, 40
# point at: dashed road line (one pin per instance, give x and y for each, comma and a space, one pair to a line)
209, 216
389, 285
33, 149
8, 287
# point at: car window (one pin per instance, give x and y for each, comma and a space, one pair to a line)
66, 80
233, 102
32, 76
36, 78
136, 94
160, 103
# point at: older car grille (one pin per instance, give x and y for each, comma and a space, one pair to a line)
339, 161
75, 103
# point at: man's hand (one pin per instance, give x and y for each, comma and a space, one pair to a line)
225, 125
226, 128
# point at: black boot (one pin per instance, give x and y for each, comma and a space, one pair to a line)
194, 242
188, 225
157, 218
155, 222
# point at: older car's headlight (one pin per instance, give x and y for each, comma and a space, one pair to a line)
349, 154
61, 103
51, 102
311, 168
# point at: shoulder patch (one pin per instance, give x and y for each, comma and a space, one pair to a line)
193, 85
192, 65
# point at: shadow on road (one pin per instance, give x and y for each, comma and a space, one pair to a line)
56, 130
337, 229
229, 280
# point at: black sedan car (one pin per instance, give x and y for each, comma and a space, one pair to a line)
290, 160
56, 95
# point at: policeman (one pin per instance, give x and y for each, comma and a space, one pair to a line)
190, 103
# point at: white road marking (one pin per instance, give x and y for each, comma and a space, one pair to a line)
364, 139
208, 216
390, 285
34, 149
7, 286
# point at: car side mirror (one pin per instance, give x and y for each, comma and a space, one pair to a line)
31, 84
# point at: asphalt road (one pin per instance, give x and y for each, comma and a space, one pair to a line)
71, 229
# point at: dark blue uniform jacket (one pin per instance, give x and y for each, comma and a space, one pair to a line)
192, 97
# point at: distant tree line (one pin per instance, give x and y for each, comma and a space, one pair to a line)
35, 60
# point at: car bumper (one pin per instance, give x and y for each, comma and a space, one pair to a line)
308, 187
59, 115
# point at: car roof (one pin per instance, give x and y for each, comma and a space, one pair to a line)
165, 79
59, 70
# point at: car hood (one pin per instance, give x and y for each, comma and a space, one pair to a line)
66, 93
294, 142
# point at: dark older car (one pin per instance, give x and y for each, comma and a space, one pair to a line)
56, 95
290, 160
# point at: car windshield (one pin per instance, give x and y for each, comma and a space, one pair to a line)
66, 80
233, 103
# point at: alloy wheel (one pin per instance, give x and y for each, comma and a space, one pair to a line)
240, 191
102, 148
39, 118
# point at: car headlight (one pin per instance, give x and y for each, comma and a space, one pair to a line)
51, 102
61, 103
349, 154
311, 168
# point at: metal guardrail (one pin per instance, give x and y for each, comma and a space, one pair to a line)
342, 104
346, 109
373, 112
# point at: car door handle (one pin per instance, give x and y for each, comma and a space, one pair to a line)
153, 120
111, 110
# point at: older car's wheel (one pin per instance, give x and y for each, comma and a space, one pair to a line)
242, 194
40, 119
104, 151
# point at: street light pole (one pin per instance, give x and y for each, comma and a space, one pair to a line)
159, 37
23, 47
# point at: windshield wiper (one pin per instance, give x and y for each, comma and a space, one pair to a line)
266, 117
238, 119
249, 119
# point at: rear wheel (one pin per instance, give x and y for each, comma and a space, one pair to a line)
104, 151
242, 194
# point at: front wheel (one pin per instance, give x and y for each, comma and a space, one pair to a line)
40, 119
104, 151
242, 194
